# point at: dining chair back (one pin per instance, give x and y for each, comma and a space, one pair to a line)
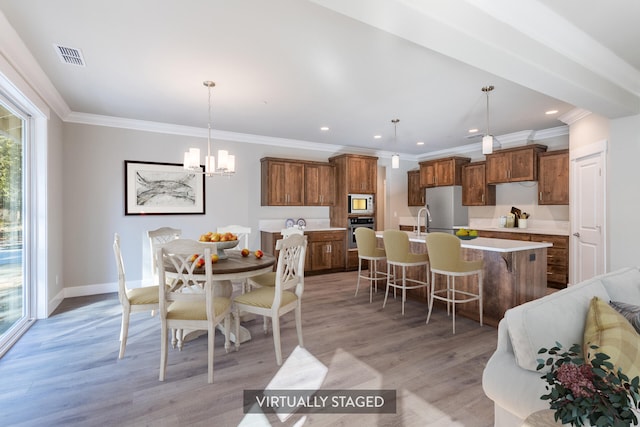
159, 237
269, 279
131, 300
285, 296
368, 250
398, 251
189, 301
241, 231
446, 259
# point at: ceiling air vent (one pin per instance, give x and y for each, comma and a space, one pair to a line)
70, 55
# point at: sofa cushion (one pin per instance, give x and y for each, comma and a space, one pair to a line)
623, 285
630, 312
613, 335
558, 317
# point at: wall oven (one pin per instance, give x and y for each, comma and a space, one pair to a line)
360, 204
355, 222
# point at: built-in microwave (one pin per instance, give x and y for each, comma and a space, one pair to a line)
361, 204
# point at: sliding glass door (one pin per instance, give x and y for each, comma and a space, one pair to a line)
14, 293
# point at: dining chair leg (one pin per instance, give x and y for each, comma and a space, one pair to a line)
210, 352
404, 287
124, 332
236, 319
275, 325
480, 295
265, 324
164, 338
299, 324
431, 299
227, 332
453, 303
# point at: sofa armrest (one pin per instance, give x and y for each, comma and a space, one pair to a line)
512, 388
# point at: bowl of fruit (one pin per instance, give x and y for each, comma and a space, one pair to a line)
466, 234
221, 241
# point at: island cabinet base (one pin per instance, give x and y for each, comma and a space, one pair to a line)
509, 279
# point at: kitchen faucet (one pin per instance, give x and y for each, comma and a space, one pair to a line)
427, 219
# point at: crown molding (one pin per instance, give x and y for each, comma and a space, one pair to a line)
574, 115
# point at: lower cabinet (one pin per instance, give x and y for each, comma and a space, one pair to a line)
325, 249
557, 255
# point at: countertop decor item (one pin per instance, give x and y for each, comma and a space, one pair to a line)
588, 391
301, 222
289, 223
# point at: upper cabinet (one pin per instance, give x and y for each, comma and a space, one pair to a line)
553, 178
514, 164
319, 185
415, 192
288, 182
442, 172
361, 174
475, 190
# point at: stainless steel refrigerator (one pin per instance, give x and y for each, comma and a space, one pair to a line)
444, 206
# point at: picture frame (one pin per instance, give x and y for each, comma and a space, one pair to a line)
152, 188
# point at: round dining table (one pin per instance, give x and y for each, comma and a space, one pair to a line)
234, 267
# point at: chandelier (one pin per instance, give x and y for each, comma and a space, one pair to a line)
226, 162
487, 139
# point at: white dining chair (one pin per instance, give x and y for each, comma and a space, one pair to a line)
159, 237
241, 231
269, 279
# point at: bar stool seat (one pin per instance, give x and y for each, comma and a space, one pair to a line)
446, 259
396, 246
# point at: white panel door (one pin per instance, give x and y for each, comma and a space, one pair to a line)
587, 219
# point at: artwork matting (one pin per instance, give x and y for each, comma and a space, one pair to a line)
152, 188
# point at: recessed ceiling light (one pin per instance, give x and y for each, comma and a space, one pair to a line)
551, 112
324, 128
377, 136
420, 143
474, 130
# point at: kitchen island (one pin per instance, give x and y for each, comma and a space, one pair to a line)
514, 272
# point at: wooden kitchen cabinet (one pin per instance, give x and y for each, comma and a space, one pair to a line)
475, 190
514, 164
442, 172
361, 174
557, 255
319, 184
282, 182
325, 249
415, 193
553, 178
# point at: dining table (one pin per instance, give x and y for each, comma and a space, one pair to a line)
234, 267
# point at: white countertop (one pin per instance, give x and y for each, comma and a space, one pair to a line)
486, 244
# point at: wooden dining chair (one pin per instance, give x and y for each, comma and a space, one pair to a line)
188, 302
275, 301
131, 300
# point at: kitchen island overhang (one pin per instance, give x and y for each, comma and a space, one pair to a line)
514, 272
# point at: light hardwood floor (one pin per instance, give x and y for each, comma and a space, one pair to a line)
65, 372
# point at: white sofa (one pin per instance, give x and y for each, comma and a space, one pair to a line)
510, 378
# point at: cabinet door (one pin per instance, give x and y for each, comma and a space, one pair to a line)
337, 254
445, 172
523, 165
427, 175
553, 178
284, 184
319, 185
473, 177
415, 193
362, 175
498, 166
321, 255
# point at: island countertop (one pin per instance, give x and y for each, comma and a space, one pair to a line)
485, 243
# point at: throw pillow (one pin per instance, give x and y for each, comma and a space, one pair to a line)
629, 311
614, 336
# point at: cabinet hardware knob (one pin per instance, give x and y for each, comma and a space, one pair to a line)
576, 234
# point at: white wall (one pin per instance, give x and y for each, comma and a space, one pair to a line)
93, 180
623, 177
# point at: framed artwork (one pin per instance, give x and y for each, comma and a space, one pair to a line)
162, 189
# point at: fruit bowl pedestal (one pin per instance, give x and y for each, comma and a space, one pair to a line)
221, 246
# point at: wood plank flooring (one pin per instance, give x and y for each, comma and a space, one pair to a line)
65, 371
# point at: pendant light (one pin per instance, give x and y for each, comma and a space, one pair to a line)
395, 158
226, 162
487, 139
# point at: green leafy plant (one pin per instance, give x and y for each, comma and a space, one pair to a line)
590, 390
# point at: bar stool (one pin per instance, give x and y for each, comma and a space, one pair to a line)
396, 246
368, 250
446, 259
